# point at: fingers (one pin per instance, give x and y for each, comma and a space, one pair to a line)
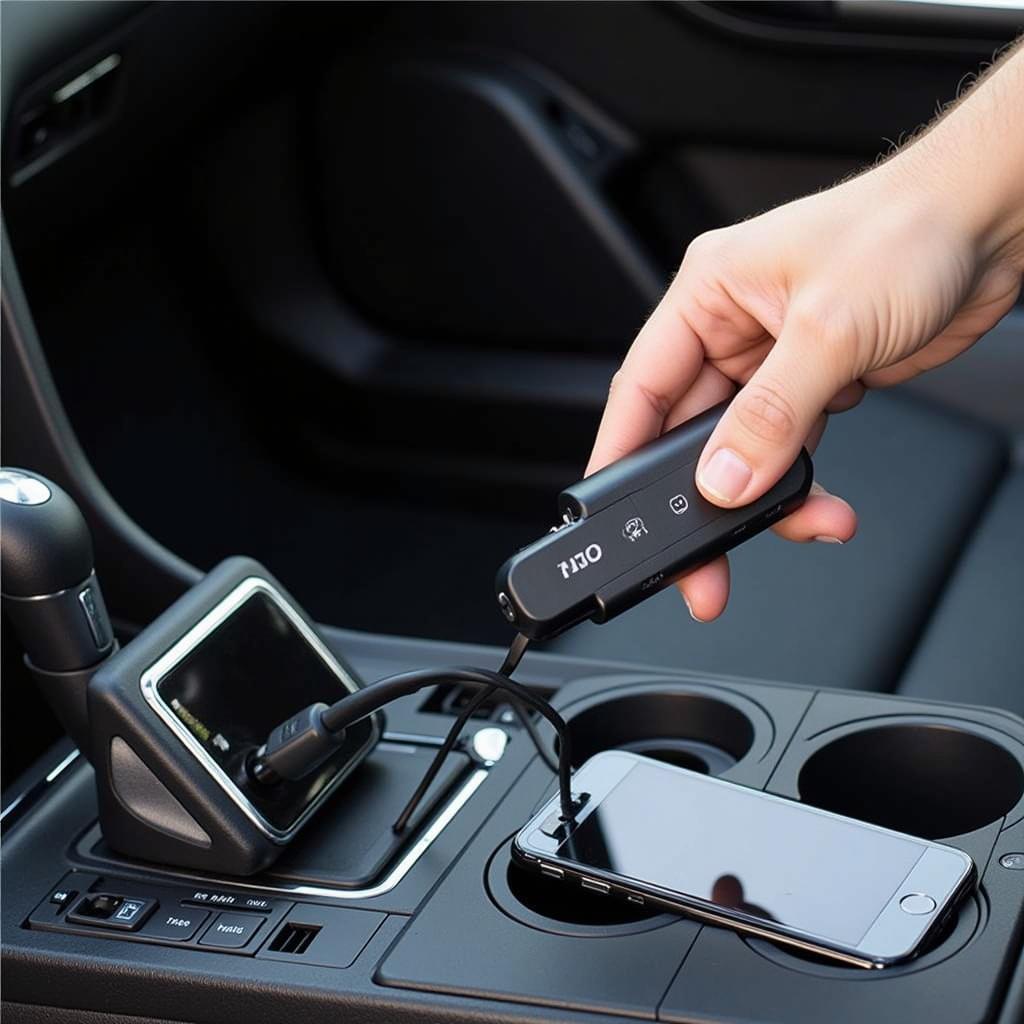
812, 440
763, 429
847, 397
661, 364
711, 387
822, 517
706, 590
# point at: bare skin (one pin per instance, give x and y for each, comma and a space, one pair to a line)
797, 311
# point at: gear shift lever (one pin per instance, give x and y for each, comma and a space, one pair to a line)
50, 593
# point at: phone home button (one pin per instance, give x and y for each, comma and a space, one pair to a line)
917, 903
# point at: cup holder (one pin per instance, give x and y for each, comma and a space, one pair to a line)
560, 907
954, 933
683, 727
928, 779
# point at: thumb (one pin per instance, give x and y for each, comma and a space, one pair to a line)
762, 431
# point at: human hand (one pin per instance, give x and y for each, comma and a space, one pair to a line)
864, 285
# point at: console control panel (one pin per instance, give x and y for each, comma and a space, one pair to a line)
205, 919
228, 922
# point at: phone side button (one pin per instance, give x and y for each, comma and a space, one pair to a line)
595, 886
551, 871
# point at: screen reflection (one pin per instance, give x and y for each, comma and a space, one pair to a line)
773, 861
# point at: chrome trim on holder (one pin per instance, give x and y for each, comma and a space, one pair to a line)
213, 619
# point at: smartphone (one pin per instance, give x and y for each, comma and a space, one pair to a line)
658, 835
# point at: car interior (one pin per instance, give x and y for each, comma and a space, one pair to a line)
340, 287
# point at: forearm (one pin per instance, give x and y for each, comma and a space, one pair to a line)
972, 160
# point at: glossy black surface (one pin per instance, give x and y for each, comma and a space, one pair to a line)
734, 849
251, 673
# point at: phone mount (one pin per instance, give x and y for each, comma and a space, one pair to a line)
177, 715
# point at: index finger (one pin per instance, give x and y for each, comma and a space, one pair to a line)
659, 367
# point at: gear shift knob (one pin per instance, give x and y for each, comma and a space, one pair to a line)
50, 593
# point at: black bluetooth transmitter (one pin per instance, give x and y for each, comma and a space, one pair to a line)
630, 530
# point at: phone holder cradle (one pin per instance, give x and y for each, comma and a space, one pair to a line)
177, 714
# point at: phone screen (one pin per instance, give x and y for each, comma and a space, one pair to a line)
211, 692
734, 849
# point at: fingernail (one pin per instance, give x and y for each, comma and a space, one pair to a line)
829, 540
686, 601
725, 475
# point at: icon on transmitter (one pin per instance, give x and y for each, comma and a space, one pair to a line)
678, 504
634, 529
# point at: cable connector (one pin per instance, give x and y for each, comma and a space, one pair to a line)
303, 742
296, 747
579, 801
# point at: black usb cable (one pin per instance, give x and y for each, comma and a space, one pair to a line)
305, 740
515, 654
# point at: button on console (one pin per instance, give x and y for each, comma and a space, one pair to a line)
107, 910
175, 925
917, 903
62, 897
231, 931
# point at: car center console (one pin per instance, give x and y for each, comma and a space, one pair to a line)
442, 924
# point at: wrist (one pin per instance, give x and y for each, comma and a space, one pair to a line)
986, 201
968, 168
